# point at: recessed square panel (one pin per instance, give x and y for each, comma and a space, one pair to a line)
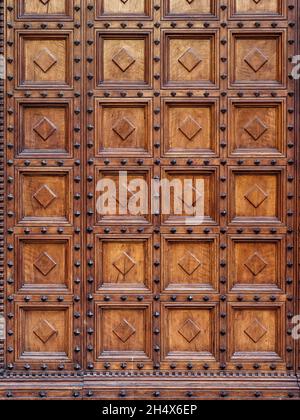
189, 332
181, 9
45, 60
257, 60
189, 196
123, 196
123, 59
189, 263
124, 128
257, 127
190, 128
124, 9
44, 264
123, 332
257, 196
44, 128
190, 59
256, 333
45, 196
258, 8
256, 264
45, 9
124, 263
44, 333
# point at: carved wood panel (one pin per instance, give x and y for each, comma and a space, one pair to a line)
194, 91
44, 242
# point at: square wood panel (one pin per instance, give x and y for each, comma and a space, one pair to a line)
45, 196
190, 332
45, 60
183, 9
256, 333
120, 9
124, 262
256, 264
190, 59
122, 332
43, 333
190, 127
46, 10
257, 59
44, 128
268, 9
127, 199
123, 59
44, 264
190, 263
257, 196
189, 190
257, 127
124, 127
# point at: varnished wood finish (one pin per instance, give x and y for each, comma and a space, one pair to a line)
147, 306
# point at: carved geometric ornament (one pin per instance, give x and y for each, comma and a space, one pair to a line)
190, 128
45, 128
189, 263
256, 59
189, 330
256, 331
123, 60
124, 263
256, 128
45, 60
124, 128
124, 331
256, 196
45, 196
44, 331
45, 264
190, 59
256, 264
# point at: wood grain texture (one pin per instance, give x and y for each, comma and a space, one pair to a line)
149, 306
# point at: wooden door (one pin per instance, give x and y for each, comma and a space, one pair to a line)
169, 89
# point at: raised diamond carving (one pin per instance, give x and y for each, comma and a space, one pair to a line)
45, 128
256, 59
256, 264
256, 128
190, 59
256, 331
45, 60
124, 128
45, 264
256, 1
123, 60
190, 1
189, 330
124, 264
256, 196
189, 263
44, 196
44, 331
45, 1
124, 331
190, 128
124, 1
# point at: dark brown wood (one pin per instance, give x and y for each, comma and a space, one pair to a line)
150, 306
